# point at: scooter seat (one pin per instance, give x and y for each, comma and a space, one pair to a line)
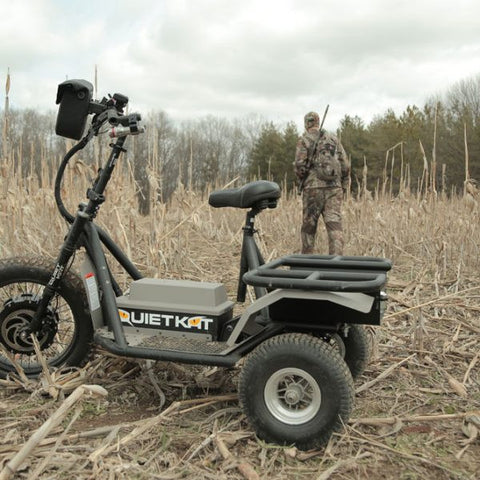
247, 196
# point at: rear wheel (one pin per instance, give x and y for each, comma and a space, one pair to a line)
66, 333
296, 389
357, 349
353, 345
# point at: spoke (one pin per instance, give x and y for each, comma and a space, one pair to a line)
304, 383
308, 395
6, 294
64, 333
39, 290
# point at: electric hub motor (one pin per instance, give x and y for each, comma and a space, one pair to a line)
15, 319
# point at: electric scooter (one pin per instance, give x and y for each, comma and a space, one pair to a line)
299, 344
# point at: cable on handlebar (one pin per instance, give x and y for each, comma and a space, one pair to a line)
61, 169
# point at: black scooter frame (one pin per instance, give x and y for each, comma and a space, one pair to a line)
84, 233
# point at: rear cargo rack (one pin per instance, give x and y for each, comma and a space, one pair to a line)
322, 272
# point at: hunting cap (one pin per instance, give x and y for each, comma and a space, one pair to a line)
312, 119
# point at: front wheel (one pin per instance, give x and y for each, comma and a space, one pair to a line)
296, 389
66, 334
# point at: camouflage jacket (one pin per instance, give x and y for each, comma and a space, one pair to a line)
327, 167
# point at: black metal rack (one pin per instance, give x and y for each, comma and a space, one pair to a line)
322, 272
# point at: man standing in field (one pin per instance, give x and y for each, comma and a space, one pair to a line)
322, 168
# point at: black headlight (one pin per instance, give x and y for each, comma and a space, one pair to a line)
74, 97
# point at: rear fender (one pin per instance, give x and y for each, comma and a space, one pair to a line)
356, 302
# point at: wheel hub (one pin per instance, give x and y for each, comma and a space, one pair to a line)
292, 396
15, 319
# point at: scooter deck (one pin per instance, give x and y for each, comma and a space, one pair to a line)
185, 350
175, 343
182, 344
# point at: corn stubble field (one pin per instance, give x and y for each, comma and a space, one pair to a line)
417, 411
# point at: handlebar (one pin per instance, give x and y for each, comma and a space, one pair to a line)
106, 111
111, 110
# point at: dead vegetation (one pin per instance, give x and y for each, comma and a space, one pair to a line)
417, 412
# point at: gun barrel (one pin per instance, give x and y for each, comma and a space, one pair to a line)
324, 116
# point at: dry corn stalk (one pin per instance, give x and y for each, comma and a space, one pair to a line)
85, 390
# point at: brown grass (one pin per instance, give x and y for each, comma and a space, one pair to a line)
417, 410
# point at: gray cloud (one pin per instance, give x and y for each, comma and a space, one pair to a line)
275, 58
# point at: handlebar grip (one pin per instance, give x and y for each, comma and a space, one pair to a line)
121, 131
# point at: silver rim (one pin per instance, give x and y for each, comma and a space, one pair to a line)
292, 396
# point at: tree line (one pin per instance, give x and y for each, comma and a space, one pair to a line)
434, 147
438, 142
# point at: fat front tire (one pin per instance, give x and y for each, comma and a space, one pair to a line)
357, 349
296, 389
66, 335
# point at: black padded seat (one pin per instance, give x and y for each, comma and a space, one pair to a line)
245, 197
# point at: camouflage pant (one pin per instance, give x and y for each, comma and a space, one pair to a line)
328, 203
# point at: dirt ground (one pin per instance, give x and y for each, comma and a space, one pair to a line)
417, 414
417, 406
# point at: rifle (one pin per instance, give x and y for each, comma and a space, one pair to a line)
314, 150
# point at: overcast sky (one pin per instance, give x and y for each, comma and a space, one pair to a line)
275, 58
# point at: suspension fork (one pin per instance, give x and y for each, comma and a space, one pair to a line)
86, 213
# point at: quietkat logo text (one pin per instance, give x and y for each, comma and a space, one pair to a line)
169, 321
